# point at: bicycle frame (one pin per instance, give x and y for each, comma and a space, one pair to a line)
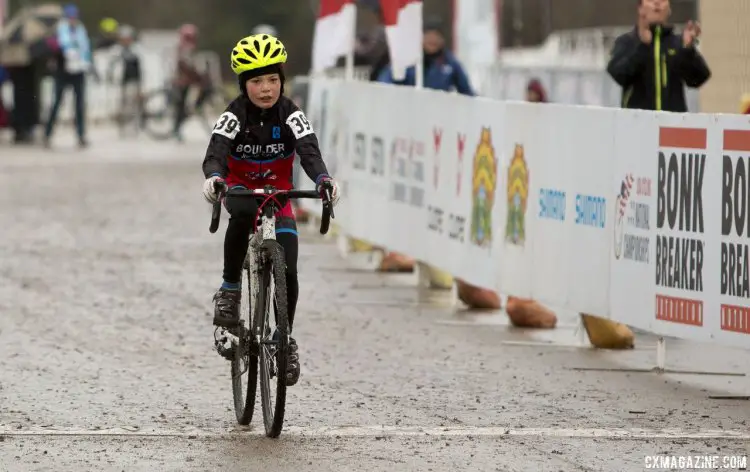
250, 348
267, 228
267, 231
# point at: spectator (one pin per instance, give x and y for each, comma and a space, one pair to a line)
74, 61
442, 71
652, 63
362, 49
26, 79
535, 92
127, 56
379, 54
379, 65
4, 115
265, 29
187, 75
106, 38
108, 34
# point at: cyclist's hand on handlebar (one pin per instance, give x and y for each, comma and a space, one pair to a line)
331, 185
210, 192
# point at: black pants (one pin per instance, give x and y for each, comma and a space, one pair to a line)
62, 81
25, 113
180, 97
242, 212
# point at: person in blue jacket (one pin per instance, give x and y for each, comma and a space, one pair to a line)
73, 64
442, 71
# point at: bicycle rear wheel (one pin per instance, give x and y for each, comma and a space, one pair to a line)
210, 109
245, 361
158, 114
274, 343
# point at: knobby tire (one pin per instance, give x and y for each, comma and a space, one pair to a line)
243, 408
274, 266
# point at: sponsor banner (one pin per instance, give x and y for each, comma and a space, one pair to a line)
320, 106
556, 194
465, 202
734, 245
633, 195
680, 232
638, 216
365, 171
586, 156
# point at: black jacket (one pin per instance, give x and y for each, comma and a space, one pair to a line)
653, 76
254, 147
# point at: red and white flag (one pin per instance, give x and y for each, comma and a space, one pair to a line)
334, 33
403, 29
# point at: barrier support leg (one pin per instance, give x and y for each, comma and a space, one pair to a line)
661, 358
583, 337
454, 295
661, 353
423, 275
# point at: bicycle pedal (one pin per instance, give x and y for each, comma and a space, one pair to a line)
225, 352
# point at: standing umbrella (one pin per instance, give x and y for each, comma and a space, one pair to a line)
29, 35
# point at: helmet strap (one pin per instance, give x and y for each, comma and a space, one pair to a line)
251, 74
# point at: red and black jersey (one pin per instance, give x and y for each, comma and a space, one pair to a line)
254, 147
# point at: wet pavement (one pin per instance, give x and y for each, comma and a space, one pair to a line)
107, 270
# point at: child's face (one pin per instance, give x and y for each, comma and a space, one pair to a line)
264, 90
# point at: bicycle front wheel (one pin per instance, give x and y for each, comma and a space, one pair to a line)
245, 361
274, 341
210, 108
159, 113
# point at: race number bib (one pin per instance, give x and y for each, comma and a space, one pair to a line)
299, 125
227, 125
74, 63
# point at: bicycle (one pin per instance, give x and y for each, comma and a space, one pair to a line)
160, 108
131, 114
263, 280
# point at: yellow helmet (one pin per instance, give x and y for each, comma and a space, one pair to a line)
108, 25
257, 51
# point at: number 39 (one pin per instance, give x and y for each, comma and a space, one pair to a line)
301, 123
227, 123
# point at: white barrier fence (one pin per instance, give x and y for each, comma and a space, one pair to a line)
636, 216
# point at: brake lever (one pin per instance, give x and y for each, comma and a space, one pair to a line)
329, 202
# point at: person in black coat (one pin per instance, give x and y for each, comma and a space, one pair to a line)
652, 63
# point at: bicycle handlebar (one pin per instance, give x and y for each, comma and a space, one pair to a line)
222, 190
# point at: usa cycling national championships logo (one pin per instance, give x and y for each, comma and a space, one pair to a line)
621, 205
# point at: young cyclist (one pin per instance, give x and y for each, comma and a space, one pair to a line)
253, 144
128, 58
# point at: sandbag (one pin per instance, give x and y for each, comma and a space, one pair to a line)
606, 334
440, 279
477, 298
526, 313
357, 245
395, 262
